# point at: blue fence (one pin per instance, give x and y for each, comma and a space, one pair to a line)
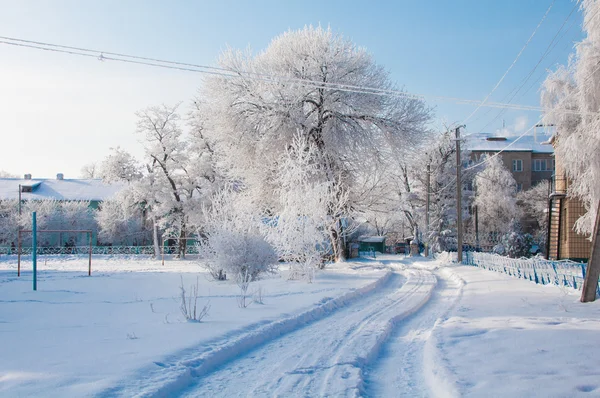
107, 250
560, 273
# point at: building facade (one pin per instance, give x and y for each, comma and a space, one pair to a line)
564, 243
529, 159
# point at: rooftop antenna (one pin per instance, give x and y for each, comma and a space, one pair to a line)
503, 124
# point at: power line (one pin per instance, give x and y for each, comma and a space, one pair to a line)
511, 66
512, 94
229, 73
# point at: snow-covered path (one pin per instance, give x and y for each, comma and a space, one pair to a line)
409, 364
328, 357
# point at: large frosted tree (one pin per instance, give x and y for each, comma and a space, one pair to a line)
571, 97
299, 85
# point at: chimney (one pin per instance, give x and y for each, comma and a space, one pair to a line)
27, 176
60, 176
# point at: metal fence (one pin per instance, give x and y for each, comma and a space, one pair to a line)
105, 250
560, 273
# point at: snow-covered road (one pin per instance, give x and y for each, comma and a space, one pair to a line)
409, 364
327, 357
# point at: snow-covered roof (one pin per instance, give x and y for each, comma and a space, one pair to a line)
495, 142
372, 239
67, 189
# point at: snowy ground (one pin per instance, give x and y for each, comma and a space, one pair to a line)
390, 327
80, 335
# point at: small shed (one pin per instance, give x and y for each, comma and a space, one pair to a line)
374, 243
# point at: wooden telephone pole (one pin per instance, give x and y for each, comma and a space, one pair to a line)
427, 210
590, 284
459, 229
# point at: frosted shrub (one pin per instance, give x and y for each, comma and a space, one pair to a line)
189, 303
515, 243
233, 243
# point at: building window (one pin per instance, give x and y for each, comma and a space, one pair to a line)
519, 187
517, 165
541, 165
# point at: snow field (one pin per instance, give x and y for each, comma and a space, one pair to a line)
81, 336
422, 329
510, 337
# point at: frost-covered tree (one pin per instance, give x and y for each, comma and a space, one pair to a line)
52, 214
89, 171
253, 119
441, 159
534, 206
121, 221
300, 228
6, 174
495, 198
406, 187
170, 184
233, 243
120, 166
571, 97
9, 222
178, 175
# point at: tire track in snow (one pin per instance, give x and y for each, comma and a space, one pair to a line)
410, 364
325, 358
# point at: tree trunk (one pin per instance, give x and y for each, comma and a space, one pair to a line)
337, 242
155, 241
182, 242
414, 244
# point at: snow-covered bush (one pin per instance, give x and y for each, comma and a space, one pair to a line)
189, 303
515, 243
499, 249
233, 242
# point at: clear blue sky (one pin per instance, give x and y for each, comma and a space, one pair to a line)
60, 112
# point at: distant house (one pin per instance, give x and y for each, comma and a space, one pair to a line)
563, 212
372, 243
93, 190
530, 159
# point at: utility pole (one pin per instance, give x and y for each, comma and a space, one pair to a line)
427, 210
590, 284
477, 227
19, 199
458, 197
